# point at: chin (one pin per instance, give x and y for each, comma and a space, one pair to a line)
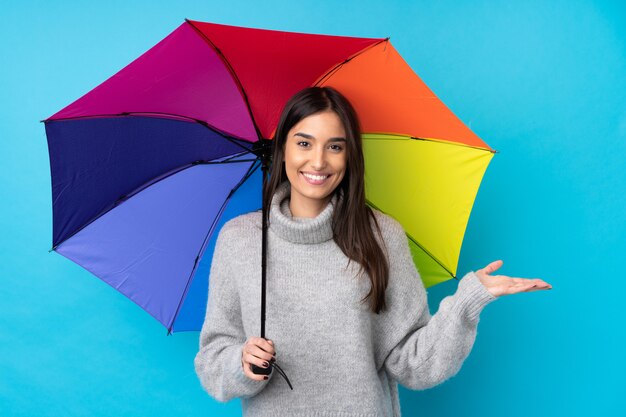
315, 194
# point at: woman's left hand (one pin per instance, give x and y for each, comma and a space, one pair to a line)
499, 285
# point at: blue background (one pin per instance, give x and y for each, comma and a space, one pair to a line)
542, 82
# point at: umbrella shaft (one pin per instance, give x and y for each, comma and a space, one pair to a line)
264, 169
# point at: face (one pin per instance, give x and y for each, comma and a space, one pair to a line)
315, 161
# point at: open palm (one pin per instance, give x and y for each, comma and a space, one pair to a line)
499, 285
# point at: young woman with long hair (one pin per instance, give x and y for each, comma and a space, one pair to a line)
347, 313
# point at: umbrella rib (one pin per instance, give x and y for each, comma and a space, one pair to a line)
232, 73
122, 198
336, 67
434, 258
226, 135
397, 136
412, 239
251, 170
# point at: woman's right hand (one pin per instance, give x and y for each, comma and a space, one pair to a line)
257, 351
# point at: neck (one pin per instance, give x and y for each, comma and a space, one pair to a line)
301, 207
300, 230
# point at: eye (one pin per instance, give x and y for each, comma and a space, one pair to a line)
337, 148
302, 143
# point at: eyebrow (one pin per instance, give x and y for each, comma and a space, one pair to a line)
307, 136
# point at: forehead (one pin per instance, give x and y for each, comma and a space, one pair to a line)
321, 124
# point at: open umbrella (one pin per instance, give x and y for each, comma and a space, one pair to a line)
148, 165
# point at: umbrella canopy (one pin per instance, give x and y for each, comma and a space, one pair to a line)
148, 165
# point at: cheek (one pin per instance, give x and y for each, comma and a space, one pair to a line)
287, 157
344, 170
341, 164
291, 164
293, 160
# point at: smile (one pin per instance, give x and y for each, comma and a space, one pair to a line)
315, 179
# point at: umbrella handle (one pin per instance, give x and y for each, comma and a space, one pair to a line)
266, 371
261, 371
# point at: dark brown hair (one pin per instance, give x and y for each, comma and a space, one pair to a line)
352, 230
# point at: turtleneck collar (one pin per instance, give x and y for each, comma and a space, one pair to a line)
299, 229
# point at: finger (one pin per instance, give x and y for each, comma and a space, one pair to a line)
542, 284
537, 282
267, 345
252, 350
247, 371
521, 281
537, 287
247, 360
493, 266
262, 343
250, 359
259, 353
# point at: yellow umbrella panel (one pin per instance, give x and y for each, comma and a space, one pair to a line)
430, 188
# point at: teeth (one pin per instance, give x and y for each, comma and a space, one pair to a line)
315, 177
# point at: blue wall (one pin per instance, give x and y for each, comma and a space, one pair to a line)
542, 82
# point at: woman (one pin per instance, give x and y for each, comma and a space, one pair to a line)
347, 314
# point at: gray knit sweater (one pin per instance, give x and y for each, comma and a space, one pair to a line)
342, 359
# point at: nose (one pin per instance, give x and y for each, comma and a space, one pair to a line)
318, 159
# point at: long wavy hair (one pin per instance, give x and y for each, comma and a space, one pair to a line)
352, 217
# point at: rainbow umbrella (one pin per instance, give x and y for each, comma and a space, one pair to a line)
148, 165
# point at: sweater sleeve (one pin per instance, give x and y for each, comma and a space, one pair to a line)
222, 338
421, 350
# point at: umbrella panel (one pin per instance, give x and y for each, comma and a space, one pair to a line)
94, 162
180, 76
247, 198
390, 98
148, 246
418, 179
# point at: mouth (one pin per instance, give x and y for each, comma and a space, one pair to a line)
315, 179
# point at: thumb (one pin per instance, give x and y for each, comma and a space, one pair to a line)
493, 266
